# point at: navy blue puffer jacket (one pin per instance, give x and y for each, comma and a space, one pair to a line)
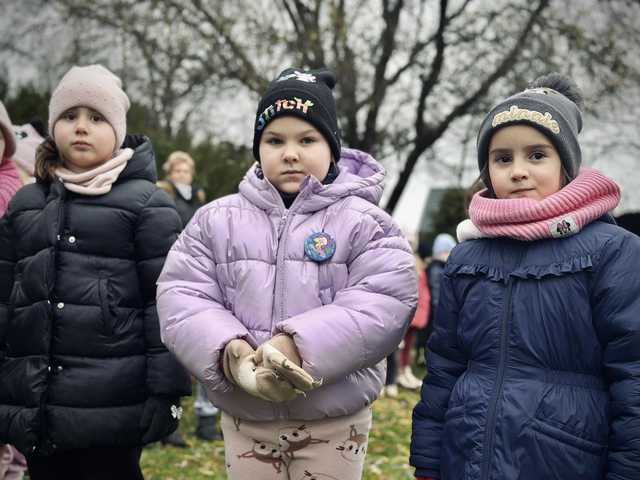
534, 364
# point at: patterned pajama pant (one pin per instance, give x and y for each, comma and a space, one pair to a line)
327, 449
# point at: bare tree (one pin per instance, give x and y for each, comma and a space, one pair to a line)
407, 69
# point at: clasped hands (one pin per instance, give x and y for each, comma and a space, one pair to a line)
272, 372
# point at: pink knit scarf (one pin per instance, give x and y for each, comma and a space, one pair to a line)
589, 196
98, 180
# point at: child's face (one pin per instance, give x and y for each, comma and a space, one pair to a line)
523, 163
84, 138
181, 173
291, 149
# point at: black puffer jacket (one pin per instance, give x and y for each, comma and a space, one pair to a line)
81, 361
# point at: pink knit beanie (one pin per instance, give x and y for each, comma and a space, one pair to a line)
7, 132
94, 87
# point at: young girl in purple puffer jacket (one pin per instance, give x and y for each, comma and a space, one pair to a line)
285, 299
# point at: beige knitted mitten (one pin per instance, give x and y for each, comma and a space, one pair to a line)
240, 367
281, 354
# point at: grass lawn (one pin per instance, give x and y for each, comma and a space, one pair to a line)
387, 457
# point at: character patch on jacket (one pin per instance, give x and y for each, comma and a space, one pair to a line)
564, 227
353, 448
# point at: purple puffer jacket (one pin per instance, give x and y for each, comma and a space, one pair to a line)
239, 271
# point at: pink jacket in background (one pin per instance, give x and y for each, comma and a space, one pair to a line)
9, 183
9, 178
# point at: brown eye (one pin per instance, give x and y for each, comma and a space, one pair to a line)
502, 159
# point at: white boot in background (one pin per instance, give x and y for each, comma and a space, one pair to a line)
391, 390
406, 379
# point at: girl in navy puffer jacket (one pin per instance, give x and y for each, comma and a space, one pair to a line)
534, 364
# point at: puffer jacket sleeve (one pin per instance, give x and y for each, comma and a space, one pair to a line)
367, 318
195, 324
446, 364
7, 263
157, 229
616, 311
9, 183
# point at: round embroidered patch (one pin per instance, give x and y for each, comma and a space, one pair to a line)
319, 246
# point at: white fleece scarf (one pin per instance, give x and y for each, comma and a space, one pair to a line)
98, 180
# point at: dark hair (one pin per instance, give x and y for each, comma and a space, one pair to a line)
47, 160
561, 84
480, 183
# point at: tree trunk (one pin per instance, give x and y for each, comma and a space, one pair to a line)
409, 164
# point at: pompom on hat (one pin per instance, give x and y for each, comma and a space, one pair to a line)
94, 87
306, 94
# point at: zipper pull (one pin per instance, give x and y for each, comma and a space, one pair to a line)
283, 221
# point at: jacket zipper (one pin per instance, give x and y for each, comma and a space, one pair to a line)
279, 297
489, 435
283, 227
44, 431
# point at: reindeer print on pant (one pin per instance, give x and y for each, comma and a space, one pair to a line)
266, 453
353, 448
292, 439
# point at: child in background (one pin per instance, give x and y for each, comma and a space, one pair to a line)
180, 169
534, 363
28, 139
84, 378
12, 463
406, 379
442, 246
284, 299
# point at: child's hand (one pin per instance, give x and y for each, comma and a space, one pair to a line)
241, 368
238, 362
273, 387
281, 355
285, 345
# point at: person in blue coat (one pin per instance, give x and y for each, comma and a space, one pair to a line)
534, 363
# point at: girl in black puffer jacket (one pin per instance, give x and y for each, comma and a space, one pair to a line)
84, 378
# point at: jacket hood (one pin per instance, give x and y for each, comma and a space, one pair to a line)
142, 164
360, 175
